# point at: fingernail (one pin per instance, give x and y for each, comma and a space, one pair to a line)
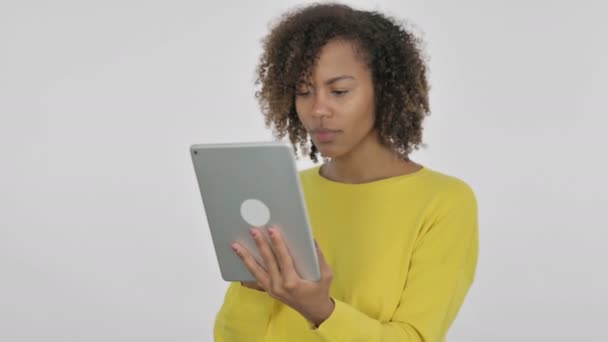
271, 231
233, 246
253, 232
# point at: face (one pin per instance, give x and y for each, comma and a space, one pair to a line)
336, 106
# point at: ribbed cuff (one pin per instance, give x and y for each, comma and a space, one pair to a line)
345, 322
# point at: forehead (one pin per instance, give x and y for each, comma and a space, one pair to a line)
339, 57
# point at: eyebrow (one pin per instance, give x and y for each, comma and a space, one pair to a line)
338, 78
334, 79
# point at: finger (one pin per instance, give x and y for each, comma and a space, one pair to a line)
326, 271
286, 264
272, 268
252, 265
254, 285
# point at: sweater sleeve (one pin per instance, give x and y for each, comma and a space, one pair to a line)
244, 316
441, 272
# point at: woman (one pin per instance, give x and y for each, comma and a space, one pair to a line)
397, 241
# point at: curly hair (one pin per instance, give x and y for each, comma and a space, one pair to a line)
393, 55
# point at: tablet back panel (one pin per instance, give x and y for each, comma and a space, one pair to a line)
253, 184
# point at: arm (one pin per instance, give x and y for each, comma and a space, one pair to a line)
441, 271
244, 315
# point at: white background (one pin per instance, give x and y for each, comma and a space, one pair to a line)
102, 233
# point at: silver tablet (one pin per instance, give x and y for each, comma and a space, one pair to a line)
253, 184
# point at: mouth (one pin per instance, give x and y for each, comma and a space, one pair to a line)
324, 135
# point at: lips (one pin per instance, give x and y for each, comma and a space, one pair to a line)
324, 134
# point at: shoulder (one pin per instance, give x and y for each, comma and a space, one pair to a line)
309, 171
308, 174
447, 193
451, 210
448, 185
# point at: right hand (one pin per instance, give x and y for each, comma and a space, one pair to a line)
252, 285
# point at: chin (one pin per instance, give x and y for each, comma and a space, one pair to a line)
328, 151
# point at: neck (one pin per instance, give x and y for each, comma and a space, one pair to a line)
367, 162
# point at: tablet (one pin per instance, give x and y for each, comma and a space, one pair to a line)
253, 184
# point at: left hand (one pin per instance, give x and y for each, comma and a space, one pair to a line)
281, 281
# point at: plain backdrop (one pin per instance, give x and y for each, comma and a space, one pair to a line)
102, 232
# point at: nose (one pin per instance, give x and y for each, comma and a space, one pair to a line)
320, 107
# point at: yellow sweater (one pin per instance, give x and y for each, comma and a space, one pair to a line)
403, 251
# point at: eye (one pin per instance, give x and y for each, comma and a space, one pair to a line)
302, 93
339, 92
